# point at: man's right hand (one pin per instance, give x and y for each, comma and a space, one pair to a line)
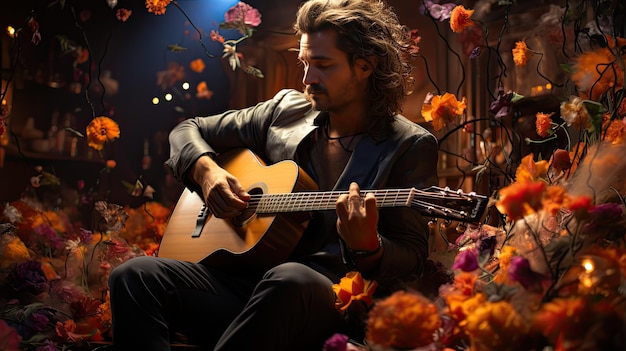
222, 192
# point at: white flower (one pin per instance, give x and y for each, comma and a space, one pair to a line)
12, 214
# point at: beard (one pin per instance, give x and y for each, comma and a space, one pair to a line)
310, 90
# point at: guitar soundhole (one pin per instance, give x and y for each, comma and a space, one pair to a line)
248, 214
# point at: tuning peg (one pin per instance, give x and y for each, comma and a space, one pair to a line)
461, 227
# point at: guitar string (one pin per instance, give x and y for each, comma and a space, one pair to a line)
330, 197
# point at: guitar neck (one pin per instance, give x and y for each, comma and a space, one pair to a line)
319, 201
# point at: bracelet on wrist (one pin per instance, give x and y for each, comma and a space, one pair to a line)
365, 253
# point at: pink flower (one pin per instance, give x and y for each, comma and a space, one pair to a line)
243, 13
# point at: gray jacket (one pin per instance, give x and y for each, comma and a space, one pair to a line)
403, 157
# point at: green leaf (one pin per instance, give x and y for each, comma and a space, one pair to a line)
595, 110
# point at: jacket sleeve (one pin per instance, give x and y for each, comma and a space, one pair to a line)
404, 230
210, 135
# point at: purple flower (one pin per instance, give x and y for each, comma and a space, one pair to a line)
502, 105
85, 235
49, 235
466, 260
47, 346
337, 342
39, 320
475, 53
28, 277
520, 271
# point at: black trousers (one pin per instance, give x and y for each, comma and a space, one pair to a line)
291, 307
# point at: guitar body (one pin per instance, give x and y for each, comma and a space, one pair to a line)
250, 241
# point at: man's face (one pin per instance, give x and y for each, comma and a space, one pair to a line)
330, 83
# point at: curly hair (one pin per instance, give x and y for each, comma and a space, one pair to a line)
367, 29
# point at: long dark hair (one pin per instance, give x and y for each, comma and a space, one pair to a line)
367, 29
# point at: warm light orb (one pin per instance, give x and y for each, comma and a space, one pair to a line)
168, 97
155, 100
11, 31
588, 265
185, 86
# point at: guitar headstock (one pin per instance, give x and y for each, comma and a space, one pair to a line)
449, 204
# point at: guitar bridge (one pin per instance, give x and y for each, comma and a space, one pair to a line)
200, 220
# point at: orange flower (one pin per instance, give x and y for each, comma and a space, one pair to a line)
404, 320
543, 123
597, 71
504, 261
521, 54
215, 36
529, 170
101, 130
351, 288
157, 6
12, 252
110, 164
197, 65
203, 91
554, 315
460, 19
521, 199
616, 131
555, 198
439, 108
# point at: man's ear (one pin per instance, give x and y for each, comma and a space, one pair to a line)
364, 67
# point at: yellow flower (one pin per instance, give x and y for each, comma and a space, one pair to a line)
496, 324
521, 54
404, 320
101, 130
157, 6
441, 108
460, 19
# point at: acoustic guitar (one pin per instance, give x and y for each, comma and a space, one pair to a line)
282, 199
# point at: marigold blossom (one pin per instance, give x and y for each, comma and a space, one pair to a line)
460, 18
543, 123
521, 54
403, 320
101, 130
157, 6
495, 325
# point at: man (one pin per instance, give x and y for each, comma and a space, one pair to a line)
344, 131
